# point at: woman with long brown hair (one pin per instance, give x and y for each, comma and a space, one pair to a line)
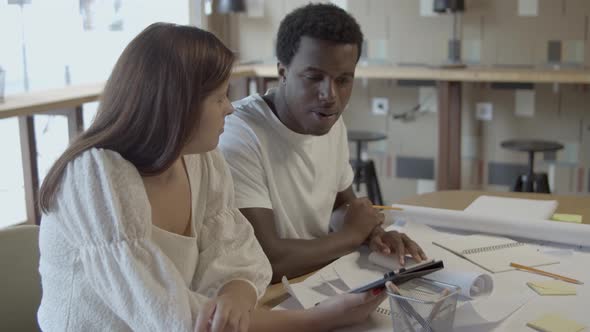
139, 230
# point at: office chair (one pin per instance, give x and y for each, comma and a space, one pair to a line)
20, 282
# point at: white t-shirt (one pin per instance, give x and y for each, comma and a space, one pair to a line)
297, 176
105, 267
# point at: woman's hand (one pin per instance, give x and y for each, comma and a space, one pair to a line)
230, 311
348, 309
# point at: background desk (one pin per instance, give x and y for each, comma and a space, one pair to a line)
453, 200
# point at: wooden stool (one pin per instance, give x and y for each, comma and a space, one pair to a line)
364, 170
532, 182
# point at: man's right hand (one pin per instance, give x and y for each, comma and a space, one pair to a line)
360, 219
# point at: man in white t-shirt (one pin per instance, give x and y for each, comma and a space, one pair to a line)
288, 151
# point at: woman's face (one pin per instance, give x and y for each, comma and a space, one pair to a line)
214, 110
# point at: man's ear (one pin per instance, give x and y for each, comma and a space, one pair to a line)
282, 71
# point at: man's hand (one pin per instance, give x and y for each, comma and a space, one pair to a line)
360, 219
393, 242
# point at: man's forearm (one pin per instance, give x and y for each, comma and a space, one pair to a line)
295, 257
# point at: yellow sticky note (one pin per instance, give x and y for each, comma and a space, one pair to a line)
552, 287
575, 218
555, 323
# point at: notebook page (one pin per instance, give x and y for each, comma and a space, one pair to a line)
499, 260
462, 245
494, 254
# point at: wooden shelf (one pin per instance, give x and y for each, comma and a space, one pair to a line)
70, 97
475, 74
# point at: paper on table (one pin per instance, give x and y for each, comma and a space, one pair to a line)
306, 296
355, 270
536, 229
552, 287
512, 207
555, 323
319, 287
494, 253
483, 310
487, 310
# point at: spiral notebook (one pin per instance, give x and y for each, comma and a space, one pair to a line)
494, 253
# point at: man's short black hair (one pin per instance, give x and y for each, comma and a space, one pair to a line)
319, 21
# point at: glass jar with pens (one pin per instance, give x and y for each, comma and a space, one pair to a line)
423, 305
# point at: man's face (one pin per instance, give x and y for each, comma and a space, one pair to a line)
317, 85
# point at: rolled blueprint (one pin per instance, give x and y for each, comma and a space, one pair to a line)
534, 229
473, 284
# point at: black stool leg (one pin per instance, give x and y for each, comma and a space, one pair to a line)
542, 183
529, 183
359, 165
356, 168
373, 189
518, 184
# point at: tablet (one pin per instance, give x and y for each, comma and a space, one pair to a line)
402, 275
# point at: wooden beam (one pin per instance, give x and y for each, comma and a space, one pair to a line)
75, 122
28, 146
448, 175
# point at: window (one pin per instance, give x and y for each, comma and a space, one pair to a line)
53, 44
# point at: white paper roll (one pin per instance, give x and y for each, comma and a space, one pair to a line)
534, 229
473, 284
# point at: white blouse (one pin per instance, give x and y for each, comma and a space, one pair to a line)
105, 267
182, 251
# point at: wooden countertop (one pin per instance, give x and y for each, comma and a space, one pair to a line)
72, 96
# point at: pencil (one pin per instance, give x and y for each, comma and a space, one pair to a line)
545, 273
437, 305
404, 307
385, 207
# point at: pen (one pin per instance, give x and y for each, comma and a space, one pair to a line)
385, 207
408, 309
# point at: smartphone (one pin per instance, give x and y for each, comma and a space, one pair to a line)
401, 276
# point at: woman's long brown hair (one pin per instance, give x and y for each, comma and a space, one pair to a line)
151, 103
